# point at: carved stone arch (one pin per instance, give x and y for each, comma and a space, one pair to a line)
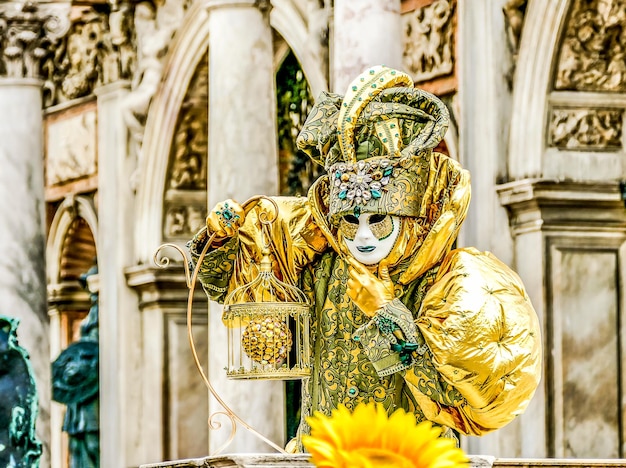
72, 212
567, 220
288, 22
70, 250
533, 75
567, 123
188, 48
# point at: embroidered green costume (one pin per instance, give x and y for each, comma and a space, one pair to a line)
460, 343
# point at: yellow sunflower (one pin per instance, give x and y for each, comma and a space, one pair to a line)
369, 438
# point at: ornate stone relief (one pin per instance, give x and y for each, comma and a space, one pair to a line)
514, 13
154, 28
97, 50
189, 148
185, 205
586, 129
593, 54
71, 147
27, 32
429, 40
183, 221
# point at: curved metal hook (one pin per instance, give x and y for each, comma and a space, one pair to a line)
163, 262
215, 425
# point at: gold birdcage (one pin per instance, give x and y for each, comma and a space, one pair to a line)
268, 324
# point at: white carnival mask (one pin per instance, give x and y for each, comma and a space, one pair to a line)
370, 237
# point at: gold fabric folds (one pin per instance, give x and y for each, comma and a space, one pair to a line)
484, 337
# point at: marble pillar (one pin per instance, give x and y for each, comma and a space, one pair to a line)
22, 231
28, 29
364, 33
485, 109
121, 419
484, 103
242, 162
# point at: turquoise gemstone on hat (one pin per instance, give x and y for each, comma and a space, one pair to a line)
376, 193
342, 195
388, 171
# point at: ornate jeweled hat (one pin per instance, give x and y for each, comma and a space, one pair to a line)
375, 143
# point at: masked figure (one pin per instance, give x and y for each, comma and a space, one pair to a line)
399, 317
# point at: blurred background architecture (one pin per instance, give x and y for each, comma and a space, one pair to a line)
122, 120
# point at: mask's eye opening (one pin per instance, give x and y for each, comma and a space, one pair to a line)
351, 219
376, 218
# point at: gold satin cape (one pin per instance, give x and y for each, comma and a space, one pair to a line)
479, 360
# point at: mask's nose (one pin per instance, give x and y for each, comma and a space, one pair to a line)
364, 234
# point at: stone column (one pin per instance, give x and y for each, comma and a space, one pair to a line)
22, 221
121, 422
484, 102
175, 396
243, 162
365, 33
570, 241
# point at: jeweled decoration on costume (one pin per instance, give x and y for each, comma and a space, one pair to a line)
227, 215
363, 180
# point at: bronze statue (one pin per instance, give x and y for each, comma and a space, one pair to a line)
75, 383
19, 446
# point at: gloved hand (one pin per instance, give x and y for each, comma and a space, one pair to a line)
367, 291
225, 219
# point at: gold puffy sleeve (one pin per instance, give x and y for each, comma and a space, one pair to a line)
484, 341
294, 239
